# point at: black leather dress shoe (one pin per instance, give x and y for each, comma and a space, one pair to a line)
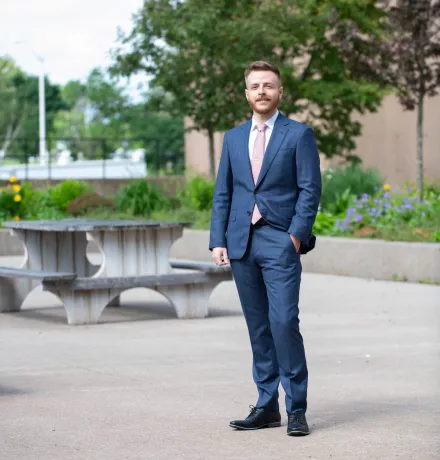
258, 418
297, 424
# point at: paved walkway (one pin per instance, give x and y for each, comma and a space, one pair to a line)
144, 385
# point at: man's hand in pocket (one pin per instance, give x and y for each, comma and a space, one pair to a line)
296, 242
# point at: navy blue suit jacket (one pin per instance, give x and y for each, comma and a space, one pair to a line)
287, 192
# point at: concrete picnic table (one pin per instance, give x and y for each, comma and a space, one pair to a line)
134, 253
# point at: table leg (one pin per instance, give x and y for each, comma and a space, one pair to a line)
189, 301
85, 307
13, 291
135, 252
116, 302
124, 253
45, 251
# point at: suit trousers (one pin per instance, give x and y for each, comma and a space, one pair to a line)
268, 282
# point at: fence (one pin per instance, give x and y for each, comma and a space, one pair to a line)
89, 158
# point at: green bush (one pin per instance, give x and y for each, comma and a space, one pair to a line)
9, 208
140, 198
324, 223
89, 202
198, 194
341, 185
62, 194
393, 212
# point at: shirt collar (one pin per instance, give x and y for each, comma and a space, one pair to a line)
270, 123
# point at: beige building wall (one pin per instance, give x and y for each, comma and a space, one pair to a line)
388, 143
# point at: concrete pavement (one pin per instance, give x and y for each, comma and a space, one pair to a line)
144, 385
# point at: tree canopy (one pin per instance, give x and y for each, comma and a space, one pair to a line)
328, 52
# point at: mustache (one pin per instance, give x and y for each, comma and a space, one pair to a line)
263, 99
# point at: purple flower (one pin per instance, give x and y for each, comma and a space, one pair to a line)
358, 217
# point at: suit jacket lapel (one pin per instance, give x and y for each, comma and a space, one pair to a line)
276, 139
244, 151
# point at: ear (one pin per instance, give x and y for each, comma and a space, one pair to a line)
281, 92
246, 94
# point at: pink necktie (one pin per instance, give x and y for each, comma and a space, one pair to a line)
257, 161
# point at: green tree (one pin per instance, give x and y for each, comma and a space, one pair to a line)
328, 52
10, 113
415, 49
158, 132
192, 51
93, 122
101, 118
19, 114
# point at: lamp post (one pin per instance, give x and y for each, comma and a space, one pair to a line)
41, 103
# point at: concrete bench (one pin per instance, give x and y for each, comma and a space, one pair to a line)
188, 289
12, 272
15, 283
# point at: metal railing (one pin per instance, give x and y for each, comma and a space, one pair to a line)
88, 158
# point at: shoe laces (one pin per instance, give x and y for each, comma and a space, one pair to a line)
297, 417
253, 410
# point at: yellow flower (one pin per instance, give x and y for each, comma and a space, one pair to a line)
17, 198
16, 188
17, 218
387, 187
12, 179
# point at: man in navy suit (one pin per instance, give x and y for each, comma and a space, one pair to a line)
265, 202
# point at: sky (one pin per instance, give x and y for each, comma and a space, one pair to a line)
73, 36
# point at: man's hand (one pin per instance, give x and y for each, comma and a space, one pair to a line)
220, 256
296, 242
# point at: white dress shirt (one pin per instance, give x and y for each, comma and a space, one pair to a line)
253, 134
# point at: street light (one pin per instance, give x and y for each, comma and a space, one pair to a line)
41, 103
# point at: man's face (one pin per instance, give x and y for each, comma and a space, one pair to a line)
263, 91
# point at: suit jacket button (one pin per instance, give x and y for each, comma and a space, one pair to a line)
249, 213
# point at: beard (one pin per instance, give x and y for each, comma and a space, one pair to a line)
269, 105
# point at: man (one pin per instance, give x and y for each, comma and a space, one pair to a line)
265, 202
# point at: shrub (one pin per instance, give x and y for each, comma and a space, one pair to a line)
198, 194
324, 223
140, 198
62, 194
390, 210
11, 198
341, 185
87, 202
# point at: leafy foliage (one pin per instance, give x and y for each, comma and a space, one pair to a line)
198, 193
390, 210
328, 51
19, 109
140, 198
414, 49
88, 202
341, 185
62, 194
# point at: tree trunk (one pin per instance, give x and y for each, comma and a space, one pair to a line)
420, 147
211, 154
11, 134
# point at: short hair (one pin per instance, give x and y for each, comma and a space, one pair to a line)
262, 65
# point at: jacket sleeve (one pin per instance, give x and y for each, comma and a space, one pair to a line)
221, 202
309, 184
